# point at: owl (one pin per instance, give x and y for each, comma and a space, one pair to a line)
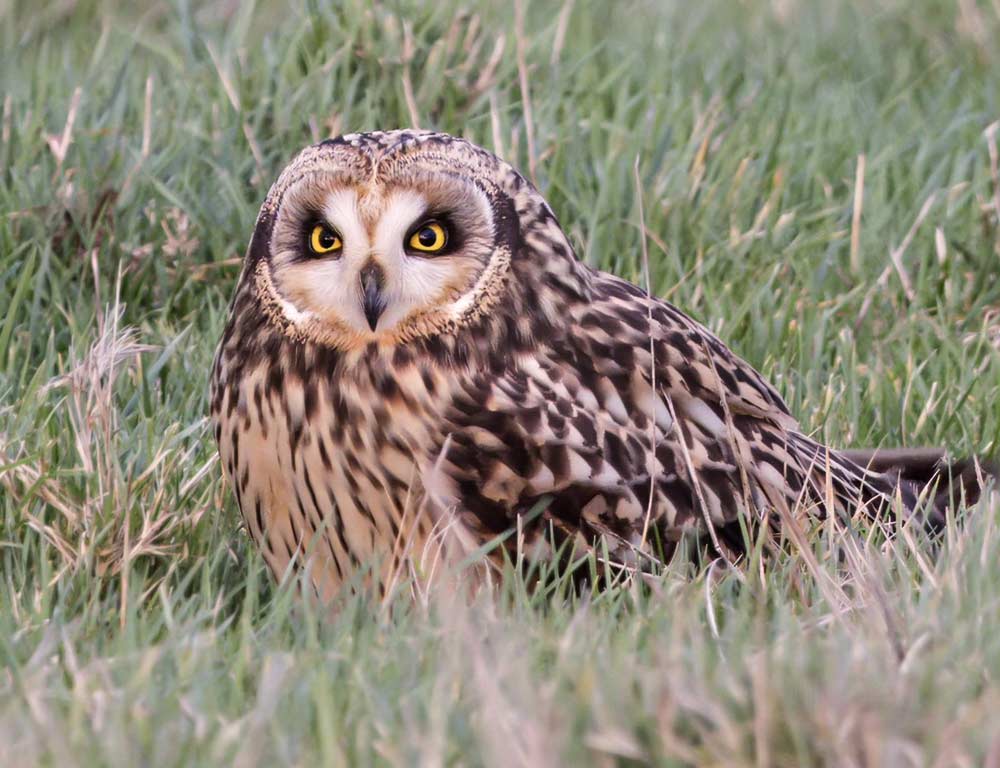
416, 364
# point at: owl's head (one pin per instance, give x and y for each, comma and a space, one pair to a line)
389, 236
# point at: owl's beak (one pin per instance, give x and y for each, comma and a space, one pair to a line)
372, 298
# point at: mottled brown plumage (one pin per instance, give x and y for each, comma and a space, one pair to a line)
372, 402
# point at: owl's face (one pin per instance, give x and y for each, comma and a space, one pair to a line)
372, 238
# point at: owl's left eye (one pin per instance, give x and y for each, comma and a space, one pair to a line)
429, 237
323, 240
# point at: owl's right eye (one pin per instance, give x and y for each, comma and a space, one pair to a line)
323, 240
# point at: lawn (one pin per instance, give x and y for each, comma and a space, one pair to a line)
819, 185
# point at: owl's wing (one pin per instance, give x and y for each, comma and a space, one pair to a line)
635, 423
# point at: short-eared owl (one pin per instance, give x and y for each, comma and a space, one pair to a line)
413, 348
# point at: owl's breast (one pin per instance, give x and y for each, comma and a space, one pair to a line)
327, 466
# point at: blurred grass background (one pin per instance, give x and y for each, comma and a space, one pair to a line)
819, 185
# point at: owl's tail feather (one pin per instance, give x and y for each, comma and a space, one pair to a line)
954, 482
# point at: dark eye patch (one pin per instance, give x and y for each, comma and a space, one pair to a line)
309, 222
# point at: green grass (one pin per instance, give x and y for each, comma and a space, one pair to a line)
136, 624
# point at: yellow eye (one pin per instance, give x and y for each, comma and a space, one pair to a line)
324, 240
429, 237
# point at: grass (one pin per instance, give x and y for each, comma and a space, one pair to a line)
819, 185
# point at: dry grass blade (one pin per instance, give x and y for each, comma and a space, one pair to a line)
522, 78
896, 262
60, 144
990, 134
407, 55
652, 353
859, 197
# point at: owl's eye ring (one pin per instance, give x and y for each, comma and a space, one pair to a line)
429, 237
323, 240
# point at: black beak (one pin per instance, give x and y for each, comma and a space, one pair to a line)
372, 299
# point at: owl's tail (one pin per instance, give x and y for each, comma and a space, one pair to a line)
954, 482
